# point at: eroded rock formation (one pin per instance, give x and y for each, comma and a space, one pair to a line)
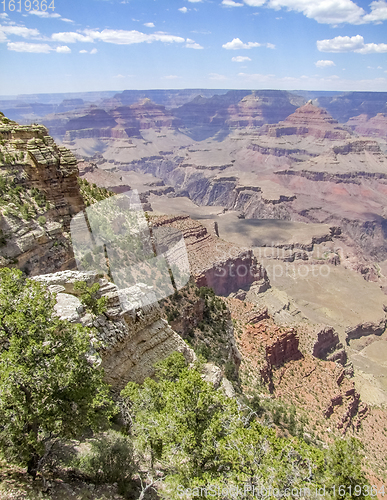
40, 196
310, 120
374, 127
132, 341
213, 262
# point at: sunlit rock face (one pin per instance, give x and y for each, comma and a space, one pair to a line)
44, 176
132, 341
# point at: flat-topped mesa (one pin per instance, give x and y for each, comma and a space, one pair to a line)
255, 110
121, 122
310, 120
358, 146
237, 108
215, 263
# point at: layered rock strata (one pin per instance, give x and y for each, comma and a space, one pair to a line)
213, 262
132, 341
374, 127
310, 120
34, 167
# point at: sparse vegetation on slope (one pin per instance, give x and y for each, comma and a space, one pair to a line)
91, 193
203, 319
49, 385
193, 438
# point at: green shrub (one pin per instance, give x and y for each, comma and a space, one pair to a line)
25, 212
89, 297
41, 220
109, 460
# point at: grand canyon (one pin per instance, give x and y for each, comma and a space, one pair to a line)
281, 200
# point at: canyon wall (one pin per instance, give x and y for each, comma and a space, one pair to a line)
40, 196
132, 341
213, 262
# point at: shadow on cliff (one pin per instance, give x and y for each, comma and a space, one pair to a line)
202, 132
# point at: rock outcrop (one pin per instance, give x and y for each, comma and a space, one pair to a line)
327, 346
40, 194
213, 262
367, 328
131, 341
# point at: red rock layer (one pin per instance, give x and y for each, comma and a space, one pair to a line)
213, 262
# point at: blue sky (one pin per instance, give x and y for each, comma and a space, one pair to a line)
91, 45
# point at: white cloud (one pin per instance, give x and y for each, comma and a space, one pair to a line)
63, 49
231, 3
123, 37
379, 67
70, 37
216, 76
3, 15
184, 10
83, 51
93, 51
378, 12
240, 59
237, 44
191, 44
254, 3
341, 44
324, 63
373, 48
44, 13
194, 1
119, 76
171, 77
270, 45
323, 11
350, 44
43, 48
149, 25
20, 31
328, 11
